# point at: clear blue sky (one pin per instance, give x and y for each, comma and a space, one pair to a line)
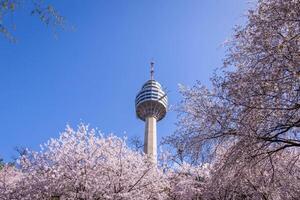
92, 74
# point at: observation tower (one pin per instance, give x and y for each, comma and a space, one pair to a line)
151, 106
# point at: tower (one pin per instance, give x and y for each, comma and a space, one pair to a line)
151, 106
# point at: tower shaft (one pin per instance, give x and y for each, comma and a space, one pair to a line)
150, 138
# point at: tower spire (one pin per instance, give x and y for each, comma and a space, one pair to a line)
152, 70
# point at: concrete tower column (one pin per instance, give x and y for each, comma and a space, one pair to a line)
150, 138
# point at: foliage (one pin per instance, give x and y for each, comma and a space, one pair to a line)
1, 163
45, 12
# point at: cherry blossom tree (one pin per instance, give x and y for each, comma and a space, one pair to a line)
83, 164
252, 109
257, 104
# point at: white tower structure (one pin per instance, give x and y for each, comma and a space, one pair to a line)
151, 106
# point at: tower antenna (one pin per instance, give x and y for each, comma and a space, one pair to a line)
152, 70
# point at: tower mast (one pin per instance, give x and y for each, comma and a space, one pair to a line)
151, 70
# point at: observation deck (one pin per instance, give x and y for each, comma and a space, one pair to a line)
151, 101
